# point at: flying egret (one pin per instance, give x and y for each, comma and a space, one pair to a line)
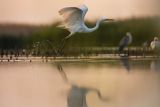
125, 41
155, 44
74, 20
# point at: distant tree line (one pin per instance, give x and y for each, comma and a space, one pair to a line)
108, 35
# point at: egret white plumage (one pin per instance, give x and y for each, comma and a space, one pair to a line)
74, 20
155, 44
125, 41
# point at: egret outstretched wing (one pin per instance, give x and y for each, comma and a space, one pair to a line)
74, 22
84, 9
73, 16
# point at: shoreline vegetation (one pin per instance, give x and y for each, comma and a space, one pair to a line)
43, 41
76, 59
75, 54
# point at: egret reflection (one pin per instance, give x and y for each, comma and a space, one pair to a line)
126, 63
155, 65
77, 95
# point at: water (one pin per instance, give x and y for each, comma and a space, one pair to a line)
89, 83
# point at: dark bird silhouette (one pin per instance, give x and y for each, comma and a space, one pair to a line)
125, 41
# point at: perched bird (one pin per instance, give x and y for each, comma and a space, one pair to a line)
145, 44
74, 20
125, 41
155, 44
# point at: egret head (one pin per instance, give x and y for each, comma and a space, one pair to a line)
106, 19
129, 36
155, 38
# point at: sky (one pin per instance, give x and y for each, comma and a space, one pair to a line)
46, 11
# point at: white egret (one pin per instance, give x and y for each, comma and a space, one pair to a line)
155, 44
125, 41
74, 20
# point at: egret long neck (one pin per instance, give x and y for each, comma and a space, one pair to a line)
96, 27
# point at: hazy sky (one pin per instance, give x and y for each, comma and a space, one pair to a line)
46, 11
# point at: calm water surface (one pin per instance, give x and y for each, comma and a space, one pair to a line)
113, 83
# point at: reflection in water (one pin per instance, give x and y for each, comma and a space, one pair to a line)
41, 85
63, 74
155, 65
125, 62
77, 95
